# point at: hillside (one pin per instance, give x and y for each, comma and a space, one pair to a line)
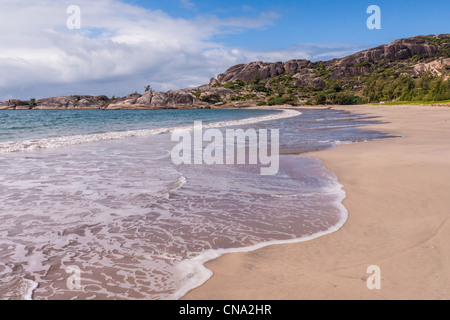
411, 69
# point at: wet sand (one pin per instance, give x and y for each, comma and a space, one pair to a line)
399, 206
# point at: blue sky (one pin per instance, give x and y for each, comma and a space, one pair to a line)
123, 45
317, 21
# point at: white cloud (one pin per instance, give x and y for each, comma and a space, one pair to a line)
188, 4
119, 48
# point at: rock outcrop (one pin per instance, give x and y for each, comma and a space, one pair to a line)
199, 97
309, 78
435, 67
294, 66
14, 104
365, 62
248, 72
72, 102
56, 103
355, 65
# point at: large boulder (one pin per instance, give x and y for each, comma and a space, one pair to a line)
14, 104
180, 98
309, 78
294, 66
159, 100
91, 102
251, 71
145, 99
57, 103
213, 95
127, 102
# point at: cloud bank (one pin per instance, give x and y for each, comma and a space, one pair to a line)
120, 48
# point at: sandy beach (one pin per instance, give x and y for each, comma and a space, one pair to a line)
399, 211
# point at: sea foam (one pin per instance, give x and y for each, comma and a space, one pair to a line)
33, 145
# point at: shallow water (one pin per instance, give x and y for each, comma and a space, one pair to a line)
136, 225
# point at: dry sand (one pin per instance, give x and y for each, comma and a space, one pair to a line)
398, 197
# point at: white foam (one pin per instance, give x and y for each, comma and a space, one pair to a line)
32, 145
28, 289
18, 289
193, 272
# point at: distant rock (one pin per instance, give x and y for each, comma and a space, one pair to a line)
309, 78
294, 66
213, 82
145, 99
354, 65
14, 104
198, 97
72, 102
365, 61
435, 67
248, 72
128, 102
180, 98
159, 100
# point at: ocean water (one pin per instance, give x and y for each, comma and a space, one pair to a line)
97, 190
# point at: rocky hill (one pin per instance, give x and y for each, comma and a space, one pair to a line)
416, 68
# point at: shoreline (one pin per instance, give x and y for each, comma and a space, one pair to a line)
398, 215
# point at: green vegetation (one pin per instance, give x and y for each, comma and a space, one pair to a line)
113, 98
344, 99
32, 104
280, 100
443, 44
236, 85
400, 103
425, 88
148, 89
386, 81
237, 98
322, 71
362, 64
259, 87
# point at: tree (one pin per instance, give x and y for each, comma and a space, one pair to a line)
148, 89
32, 103
320, 99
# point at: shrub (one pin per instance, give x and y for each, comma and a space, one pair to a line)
345, 99
250, 96
237, 98
259, 87
320, 99
32, 103
362, 64
274, 101
236, 85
